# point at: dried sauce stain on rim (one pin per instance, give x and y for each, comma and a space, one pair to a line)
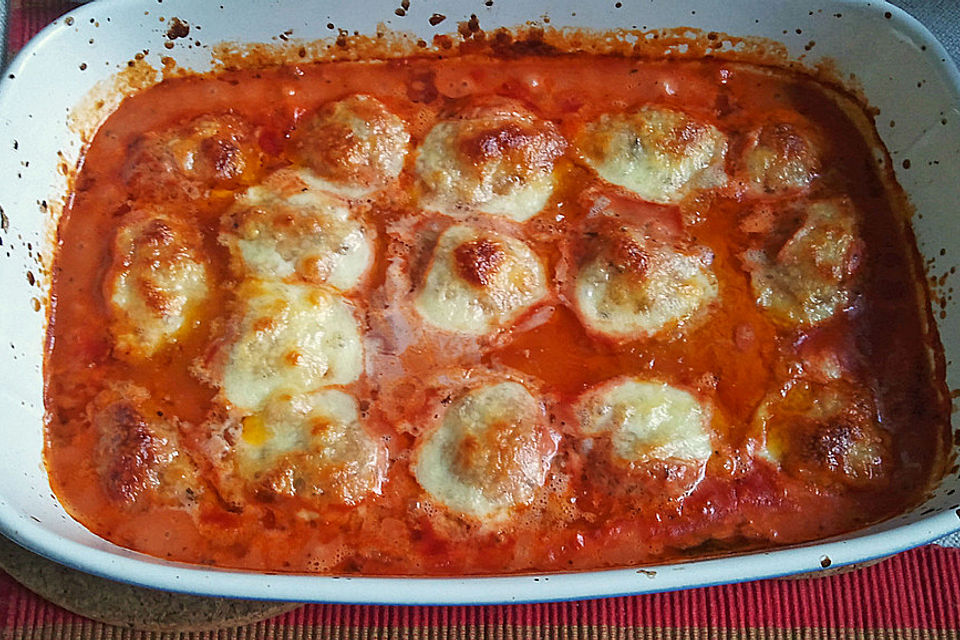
568, 459
470, 37
178, 29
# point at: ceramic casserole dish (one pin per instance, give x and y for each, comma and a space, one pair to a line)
65, 82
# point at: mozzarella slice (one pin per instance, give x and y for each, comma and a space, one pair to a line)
479, 281
288, 229
489, 454
660, 154
647, 420
810, 277
635, 286
355, 146
155, 284
780, 157
824, 432
497, 158
290, 338
311, 446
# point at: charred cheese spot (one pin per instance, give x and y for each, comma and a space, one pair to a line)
288, 229
154, 285
478, 261
780, 157
290, 338
489, 454
312, 447
138, 454
479, 281
355, 146
634, 285
824, 432
495, 157
811, 276
647, 421
660, 154
212, 151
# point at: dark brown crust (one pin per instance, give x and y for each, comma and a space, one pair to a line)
506, 131
131, 449
478, 261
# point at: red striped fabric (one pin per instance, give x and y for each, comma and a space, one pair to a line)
27, 17
916, 593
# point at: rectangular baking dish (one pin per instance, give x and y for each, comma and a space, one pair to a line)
67, 75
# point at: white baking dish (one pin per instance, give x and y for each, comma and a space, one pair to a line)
904, 72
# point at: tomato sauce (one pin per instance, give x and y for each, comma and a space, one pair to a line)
734, 358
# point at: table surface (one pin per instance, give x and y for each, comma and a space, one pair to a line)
942, 17
915, 594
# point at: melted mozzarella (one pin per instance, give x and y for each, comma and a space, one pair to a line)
635, 286
154, 285
810, 277
826, 432
489, 454
497, 158
780, 157
288, 229
138, 453
479, 281
211, 151
290, 338
312, 446
658, 153
647, 420
355, 146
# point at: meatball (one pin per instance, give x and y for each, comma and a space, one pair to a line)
660, 154
155, 284
647, 420
287, 229
188, 160
824, 432
284, 338
313, 447
138, 454
489, 453
812, 275
479, 281
494, 156
632, 284
355, 146
780, 157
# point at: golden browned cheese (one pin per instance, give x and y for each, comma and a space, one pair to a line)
781, 156
156, 283
356, 144
491, 155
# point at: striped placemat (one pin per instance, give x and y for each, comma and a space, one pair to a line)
913, 595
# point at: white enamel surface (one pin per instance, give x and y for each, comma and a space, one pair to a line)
890, 56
